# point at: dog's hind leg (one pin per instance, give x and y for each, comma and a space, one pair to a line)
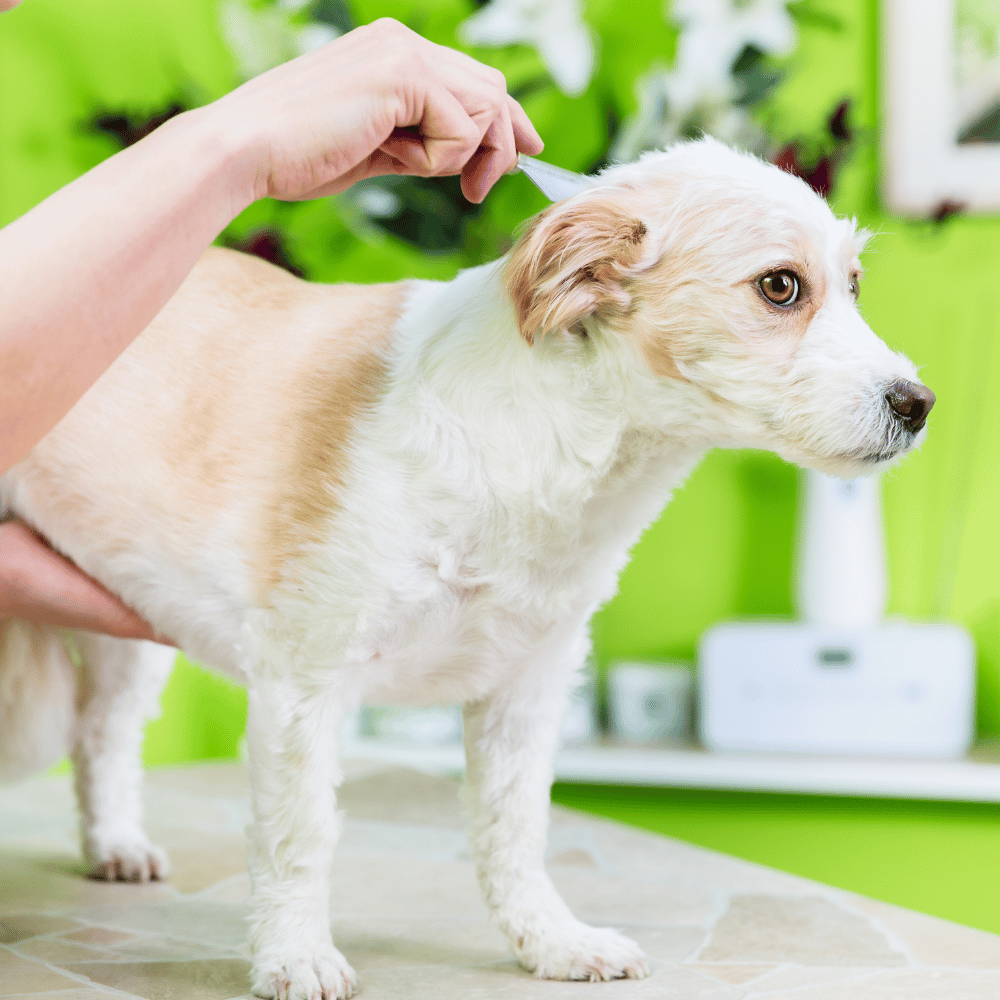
510, 743
37, 695
121, 681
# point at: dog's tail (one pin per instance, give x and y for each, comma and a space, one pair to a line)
37, 699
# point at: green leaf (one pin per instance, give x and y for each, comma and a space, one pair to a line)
809, 14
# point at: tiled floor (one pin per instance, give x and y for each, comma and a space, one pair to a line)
406, 909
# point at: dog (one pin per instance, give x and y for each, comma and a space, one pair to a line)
420, 493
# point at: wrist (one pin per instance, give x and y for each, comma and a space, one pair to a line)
223, 152
230, 138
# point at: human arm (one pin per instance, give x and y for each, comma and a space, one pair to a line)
87, 269
39, 585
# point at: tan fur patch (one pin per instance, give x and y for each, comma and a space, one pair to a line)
658, 353
657, 341
241, 302
668, 288
341, 379
571, 263
270, 375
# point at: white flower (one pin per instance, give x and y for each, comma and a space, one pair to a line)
699, 91
377, 202
262, 39
714, 33
554, 27
660, 122
312, 36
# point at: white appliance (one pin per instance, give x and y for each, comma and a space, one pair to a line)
436, 726
842, 680
579, 723
650, 701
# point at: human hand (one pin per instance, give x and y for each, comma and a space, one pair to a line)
39, 585
378, 100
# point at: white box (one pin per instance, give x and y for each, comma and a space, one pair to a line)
441, 725
579, 724
650, 701
901, 689
423, 726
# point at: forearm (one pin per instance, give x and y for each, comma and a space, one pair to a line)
86, 270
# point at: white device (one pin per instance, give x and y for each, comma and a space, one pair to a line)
898, 689
649, 701
431, 726
841, 577
841, 681
579, 723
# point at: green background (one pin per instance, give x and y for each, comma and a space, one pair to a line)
723, 547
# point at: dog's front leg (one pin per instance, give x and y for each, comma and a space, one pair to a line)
510, 743
292, 747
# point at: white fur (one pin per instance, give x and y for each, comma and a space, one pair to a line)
491, 498
37, 692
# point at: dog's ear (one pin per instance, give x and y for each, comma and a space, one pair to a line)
574, 261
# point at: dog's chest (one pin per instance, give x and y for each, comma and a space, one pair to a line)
435, 627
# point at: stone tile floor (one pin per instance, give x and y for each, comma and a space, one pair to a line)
406, 909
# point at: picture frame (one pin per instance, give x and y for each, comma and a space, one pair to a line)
941, 92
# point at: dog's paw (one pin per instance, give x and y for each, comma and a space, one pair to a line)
322, 975
578, 951
125, 857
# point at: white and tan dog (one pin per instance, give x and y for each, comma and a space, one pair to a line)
420, 493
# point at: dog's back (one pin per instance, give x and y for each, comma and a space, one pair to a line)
207, 451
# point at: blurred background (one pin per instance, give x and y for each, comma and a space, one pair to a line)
798, 82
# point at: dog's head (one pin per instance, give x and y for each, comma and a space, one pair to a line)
730, 282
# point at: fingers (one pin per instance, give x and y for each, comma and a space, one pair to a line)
39, 585
526, 138
505, 128
494, 157
444, 137
466, 126
379, 100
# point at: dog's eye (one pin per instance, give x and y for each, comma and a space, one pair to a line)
854, 285
780, 287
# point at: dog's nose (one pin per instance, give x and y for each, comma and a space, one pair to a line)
910, 402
